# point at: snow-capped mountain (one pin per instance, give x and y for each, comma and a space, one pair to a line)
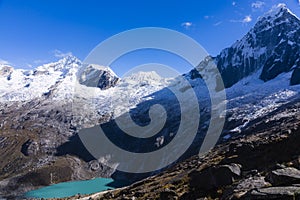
271, 45
25, 85
55, 79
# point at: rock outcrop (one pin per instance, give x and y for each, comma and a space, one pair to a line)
97, 76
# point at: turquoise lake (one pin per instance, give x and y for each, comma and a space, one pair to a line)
68, 189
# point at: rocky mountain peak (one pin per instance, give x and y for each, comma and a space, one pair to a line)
278, 11
93, 75
271, 46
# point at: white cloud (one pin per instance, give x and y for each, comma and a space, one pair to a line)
247, 19
59, 54
4, 62
233, 3
187, 25
258, 4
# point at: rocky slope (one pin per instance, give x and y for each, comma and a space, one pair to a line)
263, 165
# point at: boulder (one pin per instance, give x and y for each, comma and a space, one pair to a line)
286, 193
215, 176
245, 185
286, 176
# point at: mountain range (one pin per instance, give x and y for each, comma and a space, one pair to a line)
43, 110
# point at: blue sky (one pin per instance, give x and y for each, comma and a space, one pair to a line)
34, 32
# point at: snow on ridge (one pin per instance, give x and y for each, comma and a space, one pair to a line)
277, 11
251, 98
144, 76
62, 65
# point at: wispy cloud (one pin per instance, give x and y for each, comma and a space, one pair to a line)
218, 23
29, 65
59, 54
40, 61
246, 19
209, 17
258, 4
233, 3
186, 25
4, 62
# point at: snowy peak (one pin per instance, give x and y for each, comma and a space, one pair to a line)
278, 11
279, 15
63, 66
271, 46
144, 78
23, 85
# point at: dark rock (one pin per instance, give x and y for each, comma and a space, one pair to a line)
214, 177
30, 148
168, 195
251, 183
286, 176
243, 186
97, 76
286, 193
295, 79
